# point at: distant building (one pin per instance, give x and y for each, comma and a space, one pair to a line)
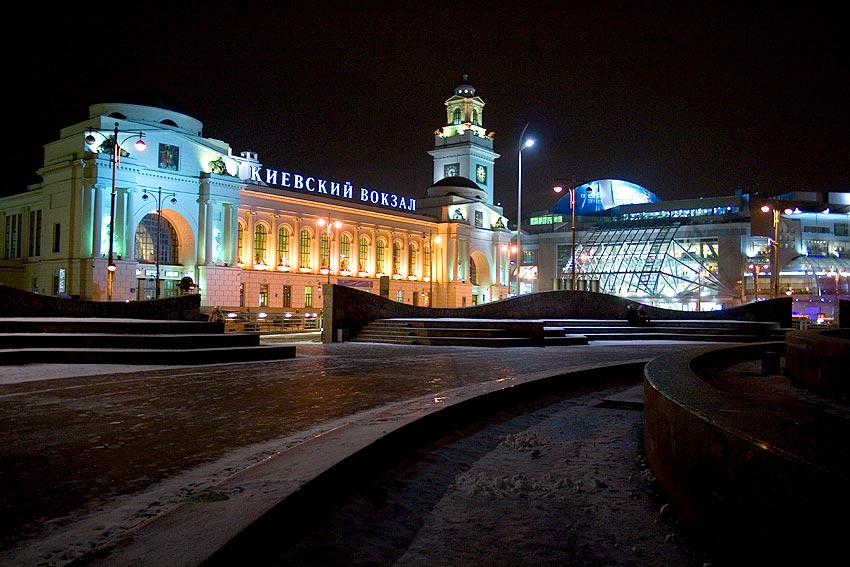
186, 215
697, 254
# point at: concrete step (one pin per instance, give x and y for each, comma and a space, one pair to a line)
143, 356
102, 341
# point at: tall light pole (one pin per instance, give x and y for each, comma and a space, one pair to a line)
523, 143
559, 186
775, 247
116, 157
145, 197
329, 226
437, 240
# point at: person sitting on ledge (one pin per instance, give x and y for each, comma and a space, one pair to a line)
636, 316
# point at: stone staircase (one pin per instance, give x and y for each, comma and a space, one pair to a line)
543, 332
128, 341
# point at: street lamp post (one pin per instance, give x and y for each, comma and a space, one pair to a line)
775, 247
523, 143
116, 156
572, 189
145, 197
329, 226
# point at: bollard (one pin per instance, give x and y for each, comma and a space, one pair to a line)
769, 363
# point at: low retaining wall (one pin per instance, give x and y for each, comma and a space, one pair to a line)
18, 303
819, 360
348, 310
763, 483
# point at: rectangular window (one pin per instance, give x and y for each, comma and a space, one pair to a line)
479, 219
842, 229
35, 233
399, 296
264, 295
287, 296
308, 296
241, 295
14, 228
57, 233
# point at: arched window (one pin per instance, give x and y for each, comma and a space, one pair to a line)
381, 257
260, 241
304, 250
146, 241
396, 257
456, 116
475, 119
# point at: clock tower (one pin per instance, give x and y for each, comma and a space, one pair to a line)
463, 148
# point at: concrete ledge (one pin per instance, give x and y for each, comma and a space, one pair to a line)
819, 360
765, 481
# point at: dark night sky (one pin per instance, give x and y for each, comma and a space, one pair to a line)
687, 100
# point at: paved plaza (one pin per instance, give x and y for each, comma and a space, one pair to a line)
91, 455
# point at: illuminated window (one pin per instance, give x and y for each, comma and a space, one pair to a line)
344, 249
381, 256
308, 296
260, 239
283, 243
396, 257
264, 295
240, 239
363, 253
304, 250
411, 259
456, 116
287, 296
146, 241
325, 250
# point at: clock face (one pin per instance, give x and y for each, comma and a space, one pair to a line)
451, 170
481, 174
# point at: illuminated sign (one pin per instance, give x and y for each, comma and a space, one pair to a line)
298, 182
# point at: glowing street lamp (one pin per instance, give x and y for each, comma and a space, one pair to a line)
523, 143
116, 156
329, 227
775, 246
571, 188
145, 197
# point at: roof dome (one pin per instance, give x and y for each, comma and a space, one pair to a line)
465, 89
456, 185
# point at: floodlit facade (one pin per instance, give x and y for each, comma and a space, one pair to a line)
135, 203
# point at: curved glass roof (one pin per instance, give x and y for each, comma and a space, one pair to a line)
604, 194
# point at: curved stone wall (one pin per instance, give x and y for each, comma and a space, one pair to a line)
350, 309
819, 360
764, 482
